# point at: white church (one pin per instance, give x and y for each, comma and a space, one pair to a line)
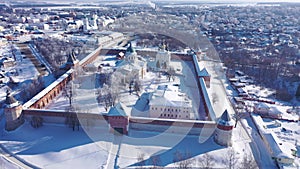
132, 64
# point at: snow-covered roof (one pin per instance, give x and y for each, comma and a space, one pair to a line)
118, 110
203, 73
128, 66
207, 99
142, 104
259, 122
225, 119
172, 120
274, 110
170, 98
280, 149
261, 105
10, 101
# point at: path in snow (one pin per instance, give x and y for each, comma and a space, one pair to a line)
14, 159
113, 156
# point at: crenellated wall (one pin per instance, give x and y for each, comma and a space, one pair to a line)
193, 127
43, 98
203, 91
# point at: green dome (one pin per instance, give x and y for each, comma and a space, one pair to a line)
130, 49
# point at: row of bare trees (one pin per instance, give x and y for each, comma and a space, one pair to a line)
112, 84
56, 51
31, 89
184, 160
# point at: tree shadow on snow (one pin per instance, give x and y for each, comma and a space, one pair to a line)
189, 147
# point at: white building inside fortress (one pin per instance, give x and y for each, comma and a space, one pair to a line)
170, 104
162, 59
132, 63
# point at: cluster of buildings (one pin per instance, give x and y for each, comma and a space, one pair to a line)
248, 38
166, 101
20, 21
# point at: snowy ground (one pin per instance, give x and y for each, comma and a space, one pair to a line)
57, 146
84, 96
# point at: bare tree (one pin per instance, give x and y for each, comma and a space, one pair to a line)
68, 93
182, 160
36, 121
248, 162
140, 160
215, 98
206, 161
171, 73
72, 121
158, 64
155, 162
137, 87
230, 160
115, 86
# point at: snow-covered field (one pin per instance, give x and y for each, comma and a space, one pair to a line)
57, 146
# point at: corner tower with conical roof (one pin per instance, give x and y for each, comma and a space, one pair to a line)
223, 132
13, 112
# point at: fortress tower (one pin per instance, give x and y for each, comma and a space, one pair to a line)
12, 111
72, 62
223, 131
